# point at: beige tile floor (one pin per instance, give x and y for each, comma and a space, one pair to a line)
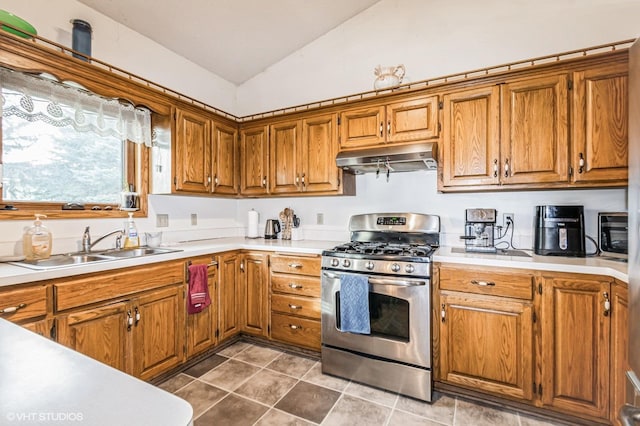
249, 384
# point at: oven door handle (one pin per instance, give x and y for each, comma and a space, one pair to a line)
382, 281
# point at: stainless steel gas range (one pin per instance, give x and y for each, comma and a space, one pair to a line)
376, 303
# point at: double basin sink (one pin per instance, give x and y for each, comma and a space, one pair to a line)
81, 258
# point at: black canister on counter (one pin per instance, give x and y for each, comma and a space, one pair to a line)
81, 38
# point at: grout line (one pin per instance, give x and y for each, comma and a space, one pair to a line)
335, 404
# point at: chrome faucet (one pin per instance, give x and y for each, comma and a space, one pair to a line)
87, 245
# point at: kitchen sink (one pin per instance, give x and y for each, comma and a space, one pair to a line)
75, 259
136, 252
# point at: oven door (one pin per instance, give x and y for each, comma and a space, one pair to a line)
399, 315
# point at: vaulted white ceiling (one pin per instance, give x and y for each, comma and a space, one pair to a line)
235, 39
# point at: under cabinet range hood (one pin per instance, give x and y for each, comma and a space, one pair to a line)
389, 159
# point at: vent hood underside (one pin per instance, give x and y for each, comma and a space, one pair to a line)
403, 158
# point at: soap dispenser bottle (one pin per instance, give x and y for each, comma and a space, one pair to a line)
132, 239
37, 240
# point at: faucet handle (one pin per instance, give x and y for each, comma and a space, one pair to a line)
119, 240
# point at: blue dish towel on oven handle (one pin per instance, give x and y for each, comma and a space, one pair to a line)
354, 304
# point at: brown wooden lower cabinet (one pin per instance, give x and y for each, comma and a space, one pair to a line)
254, 296
41, 327
487, 343
202, 327
229, 304
142, 336
565, 350
296, 330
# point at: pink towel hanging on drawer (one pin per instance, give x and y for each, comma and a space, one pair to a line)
198, 289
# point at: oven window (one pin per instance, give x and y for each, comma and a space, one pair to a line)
389, 316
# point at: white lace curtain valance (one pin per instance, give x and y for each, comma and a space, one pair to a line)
42, 98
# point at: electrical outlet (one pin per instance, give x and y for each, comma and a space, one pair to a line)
508, 217
162, 220
319, 218
194, 219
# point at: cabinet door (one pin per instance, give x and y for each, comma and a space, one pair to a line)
486, 343
41, 327
535, 144
362, 127
471, 137
229, 306
318, 154
600, 124
225, 154
158, 331
202, 326
254, 157
619, 347
412, 120
100, 333
284, 143
192, 161
575, 346
255, 294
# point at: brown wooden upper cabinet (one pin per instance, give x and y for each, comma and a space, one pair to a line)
254, 160
520, 134
303, 154
600, 124
404, 121
205, 159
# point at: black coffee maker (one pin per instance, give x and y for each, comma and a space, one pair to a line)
559, 231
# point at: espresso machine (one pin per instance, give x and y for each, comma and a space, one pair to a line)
478, 230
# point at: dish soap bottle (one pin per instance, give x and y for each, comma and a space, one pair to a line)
132, 239
37, 240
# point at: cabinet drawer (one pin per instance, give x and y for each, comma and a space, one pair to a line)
295, 330
295, 284
115, 284
23, 303
296, 265
295, 305
507, 283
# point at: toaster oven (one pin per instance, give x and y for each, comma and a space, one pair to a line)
613, 235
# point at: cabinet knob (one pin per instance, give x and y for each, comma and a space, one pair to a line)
607, 304
294, 306
264, 182
129, 320
295, 265
495, 168
295, 327
389, 128
483, 283
293, 285
381, 126
581, 163
506, 168
137, 315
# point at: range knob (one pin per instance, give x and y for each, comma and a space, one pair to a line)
335, 262
346, 263
369, 265
409, 269
395, 267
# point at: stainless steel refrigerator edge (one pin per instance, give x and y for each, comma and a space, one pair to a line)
631, 413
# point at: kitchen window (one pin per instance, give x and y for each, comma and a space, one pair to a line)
63, 146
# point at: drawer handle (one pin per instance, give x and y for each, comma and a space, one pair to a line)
295, 327
483, 283
12, 309
295, 265
294, 306
293, 285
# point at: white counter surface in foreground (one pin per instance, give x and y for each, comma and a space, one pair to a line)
42, 382
581, 265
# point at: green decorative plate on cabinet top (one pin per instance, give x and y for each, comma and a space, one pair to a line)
15, 21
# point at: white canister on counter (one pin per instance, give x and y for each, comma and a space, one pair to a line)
252, 224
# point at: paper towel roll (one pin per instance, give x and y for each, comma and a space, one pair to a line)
252, 224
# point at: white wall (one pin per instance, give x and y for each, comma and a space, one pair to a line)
435, 38
416, 192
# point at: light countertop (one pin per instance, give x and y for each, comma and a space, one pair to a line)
581, 265
42, 382
11, 274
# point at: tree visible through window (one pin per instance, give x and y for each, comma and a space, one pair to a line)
43, 163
